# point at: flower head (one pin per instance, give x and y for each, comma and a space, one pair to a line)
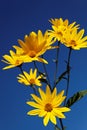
35, 45
75, 40
29, 79
13, 60
48, 105
60, 27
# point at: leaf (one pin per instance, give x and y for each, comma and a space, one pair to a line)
76, 97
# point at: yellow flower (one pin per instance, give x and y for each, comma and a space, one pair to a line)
34, 46
75, 40
30, 79
13, 60
48, 105
60, 27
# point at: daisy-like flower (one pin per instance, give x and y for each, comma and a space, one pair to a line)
13, 60
60, 27
75, 40
29, 78
48, 105
35, 45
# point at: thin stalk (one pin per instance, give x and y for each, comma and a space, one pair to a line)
56, 64
36, 67
47, 75
68, 74
34, 89
61, 123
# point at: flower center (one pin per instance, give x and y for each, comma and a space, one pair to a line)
32, 54
48, 107
32, 81
18, 62
73, 43
60, 34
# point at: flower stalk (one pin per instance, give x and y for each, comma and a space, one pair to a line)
68, 74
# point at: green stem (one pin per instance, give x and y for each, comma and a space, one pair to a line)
68, 74
40, 73
36, 67
34, 89
47, 75
56, 63
61, 123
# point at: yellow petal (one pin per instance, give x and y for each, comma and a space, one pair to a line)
63, 109
58, 113
48, 91
58, 101
46, 119
12, 54
42, 113
54, 93
42, 94
26, 75
8, 67
80, 34
60, 94
18, 50
41, 60
8, 58
31, 72
37, 82
33, 104
36, 98
34, 112
22, 44
84, 39
35, 73
52, 118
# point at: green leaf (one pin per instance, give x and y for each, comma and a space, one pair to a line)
76, 97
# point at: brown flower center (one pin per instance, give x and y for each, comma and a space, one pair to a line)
32, 54
48, 107
73, 43
32, 81
18, 62
60, 34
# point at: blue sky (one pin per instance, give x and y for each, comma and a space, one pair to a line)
18, 18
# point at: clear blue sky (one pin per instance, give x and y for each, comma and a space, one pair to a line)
20, 17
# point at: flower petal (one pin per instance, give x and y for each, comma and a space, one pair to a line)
48, 91
33, 104
42, 94
46, 119
34, 112
63, 109
36, 98
42, 113
8, 67
53, 118
58, 113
